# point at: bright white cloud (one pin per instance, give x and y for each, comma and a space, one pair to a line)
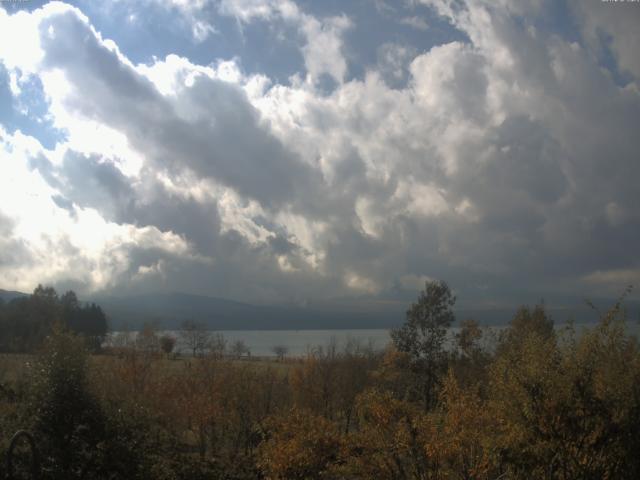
80, 248
323, 51
323, 47
511, 155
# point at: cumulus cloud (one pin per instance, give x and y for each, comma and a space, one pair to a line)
506, 160
207, 126
322, 48
615, 28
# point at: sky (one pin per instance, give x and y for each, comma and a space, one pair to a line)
287, 152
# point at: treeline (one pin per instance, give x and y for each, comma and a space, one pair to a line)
533, 402
195, 339
26, 321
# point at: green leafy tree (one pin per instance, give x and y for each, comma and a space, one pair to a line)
423, 335
67, 416
88, 320
25, 322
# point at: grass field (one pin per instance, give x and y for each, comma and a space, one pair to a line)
15, 367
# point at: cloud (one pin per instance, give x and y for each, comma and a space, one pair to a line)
323, 37
415, 22
207, 126
323, 51
48, 238
615, 27
505, 163
393, 62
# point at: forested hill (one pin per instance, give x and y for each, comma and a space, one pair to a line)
169, 310
8, 295
26, 320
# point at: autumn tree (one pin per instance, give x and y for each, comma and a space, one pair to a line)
299, 446
147, 339
313, 383
468, 337
391, 441
329, 381
567, 409
528, 322
463, 445
423, 336
470, 360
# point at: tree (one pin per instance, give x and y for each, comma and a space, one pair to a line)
217, 345
468, 337
195, 336
37, 316
147, 339
568, 409
423, 335
67, 414
87, 320
69, 302
391, 442
524, 324
300, 445
280, 351
167, 343
463, 446
532, 321
239, 348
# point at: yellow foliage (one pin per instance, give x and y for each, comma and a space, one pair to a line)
299, 446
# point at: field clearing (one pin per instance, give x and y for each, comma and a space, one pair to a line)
16, 367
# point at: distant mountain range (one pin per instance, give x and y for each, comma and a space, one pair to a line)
169, 310
8, 295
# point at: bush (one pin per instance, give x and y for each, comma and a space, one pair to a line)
69, 423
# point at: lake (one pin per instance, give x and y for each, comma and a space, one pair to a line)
297, 342
300, 342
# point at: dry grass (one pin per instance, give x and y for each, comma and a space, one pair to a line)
14, 367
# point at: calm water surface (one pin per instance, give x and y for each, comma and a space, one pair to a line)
301, 342
297, 342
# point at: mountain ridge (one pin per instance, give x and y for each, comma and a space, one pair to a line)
169, 310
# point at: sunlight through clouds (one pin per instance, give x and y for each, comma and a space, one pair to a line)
260, 142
